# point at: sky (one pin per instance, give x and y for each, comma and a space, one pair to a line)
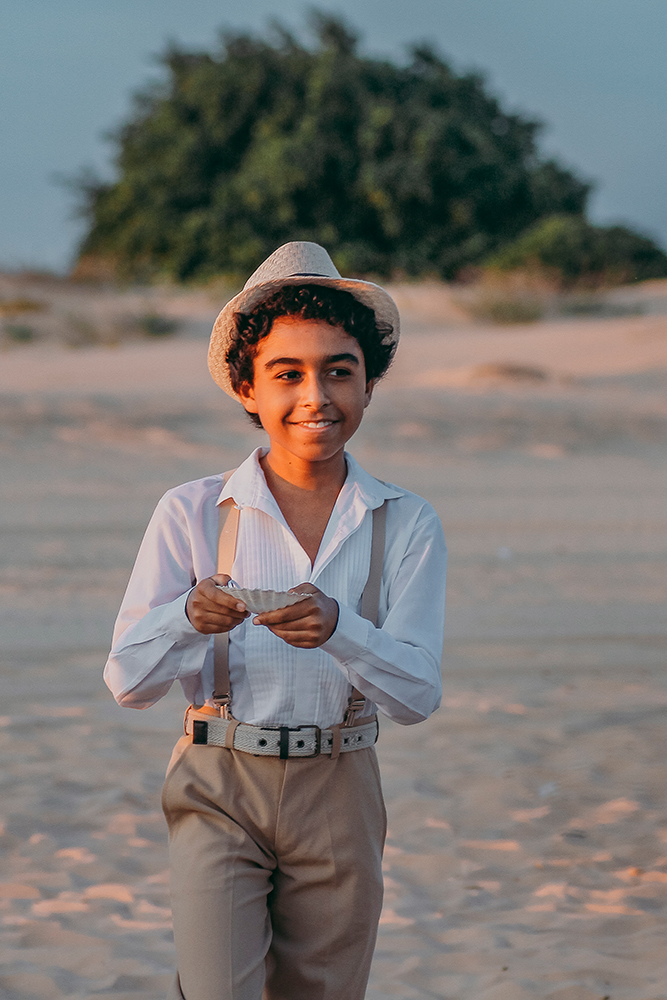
593, 70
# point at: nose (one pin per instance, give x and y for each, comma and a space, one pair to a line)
314, 392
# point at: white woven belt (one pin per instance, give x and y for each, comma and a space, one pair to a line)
279, 741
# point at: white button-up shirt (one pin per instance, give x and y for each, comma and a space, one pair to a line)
397, 665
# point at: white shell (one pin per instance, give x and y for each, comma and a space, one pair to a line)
257, 601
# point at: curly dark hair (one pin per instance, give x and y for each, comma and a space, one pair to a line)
320, 302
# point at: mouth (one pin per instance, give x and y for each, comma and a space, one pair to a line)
315, 425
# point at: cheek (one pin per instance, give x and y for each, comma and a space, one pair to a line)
274, 403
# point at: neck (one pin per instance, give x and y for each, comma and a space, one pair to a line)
285, 471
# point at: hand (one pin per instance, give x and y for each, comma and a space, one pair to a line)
307, 624
210, 610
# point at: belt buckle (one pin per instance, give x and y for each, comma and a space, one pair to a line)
318, 741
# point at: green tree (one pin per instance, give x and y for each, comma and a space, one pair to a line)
409, 168
577, 252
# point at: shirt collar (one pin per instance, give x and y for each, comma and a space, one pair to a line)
360, 492
247, 486
371, 491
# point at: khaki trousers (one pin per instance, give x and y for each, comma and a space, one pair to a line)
276, 873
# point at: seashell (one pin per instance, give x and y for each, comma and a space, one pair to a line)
257, 601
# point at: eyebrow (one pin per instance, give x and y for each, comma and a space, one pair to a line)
332, 359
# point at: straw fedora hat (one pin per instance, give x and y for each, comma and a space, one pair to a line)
296, 263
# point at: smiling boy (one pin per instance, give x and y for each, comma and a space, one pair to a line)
273, 800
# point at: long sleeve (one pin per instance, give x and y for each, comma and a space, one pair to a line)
397, 666
154, 643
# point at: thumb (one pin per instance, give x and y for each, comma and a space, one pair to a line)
220, 579
304, 588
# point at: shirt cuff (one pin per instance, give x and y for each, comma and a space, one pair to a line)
349, 639
176, 622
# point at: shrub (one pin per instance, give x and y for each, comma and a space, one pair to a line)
13, 307
19, 333
572, 251
507, 297
155, 325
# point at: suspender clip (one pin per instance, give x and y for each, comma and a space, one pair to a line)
222, 703
354, 705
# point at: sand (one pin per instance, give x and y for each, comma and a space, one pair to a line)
527, 848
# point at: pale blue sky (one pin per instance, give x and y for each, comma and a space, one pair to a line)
594, 70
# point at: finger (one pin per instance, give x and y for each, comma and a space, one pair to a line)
209, 590
207, 629
204, 607
215, 614
305, 627
310, 629
224, 614
208, 625
231, 603
236, 611
302, 625
304, 588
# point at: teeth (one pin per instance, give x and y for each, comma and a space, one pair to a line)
316, 423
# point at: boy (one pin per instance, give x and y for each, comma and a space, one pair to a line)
273, 799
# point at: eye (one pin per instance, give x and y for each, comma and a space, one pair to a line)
289, 376
340, 372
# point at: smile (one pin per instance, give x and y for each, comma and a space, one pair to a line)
316, 425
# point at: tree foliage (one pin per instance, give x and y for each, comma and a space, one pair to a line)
576, 252
394, 168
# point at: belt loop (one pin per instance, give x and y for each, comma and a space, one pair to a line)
229, 735
335, 745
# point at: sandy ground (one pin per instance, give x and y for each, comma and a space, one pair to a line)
527, 853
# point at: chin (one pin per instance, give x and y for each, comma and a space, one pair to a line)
319, 454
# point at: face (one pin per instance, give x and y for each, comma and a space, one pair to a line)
309, 390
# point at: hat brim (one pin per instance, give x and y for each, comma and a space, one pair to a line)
366, 292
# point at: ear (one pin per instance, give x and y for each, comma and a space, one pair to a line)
247, 396
369, 392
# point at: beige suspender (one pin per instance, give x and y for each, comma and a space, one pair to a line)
227, 534
370, 601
